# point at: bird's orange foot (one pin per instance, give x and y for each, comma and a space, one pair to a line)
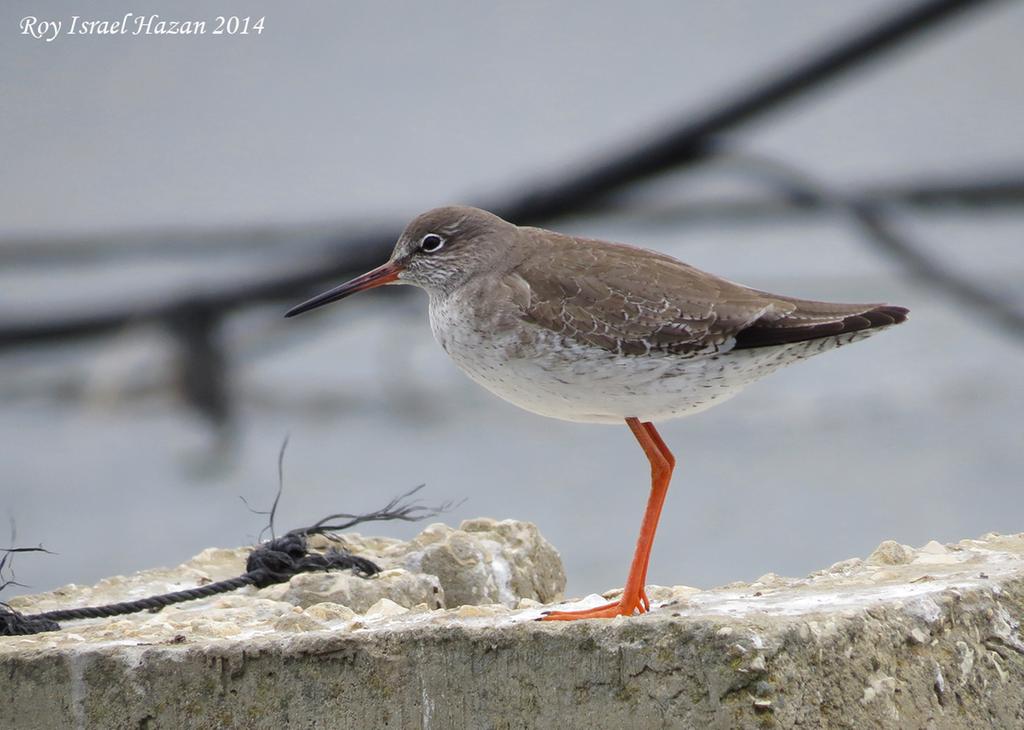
623, 607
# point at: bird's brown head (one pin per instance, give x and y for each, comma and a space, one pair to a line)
437, 251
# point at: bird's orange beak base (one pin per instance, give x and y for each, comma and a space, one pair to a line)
386, 274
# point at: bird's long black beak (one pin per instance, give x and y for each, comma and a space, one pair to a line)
386, 274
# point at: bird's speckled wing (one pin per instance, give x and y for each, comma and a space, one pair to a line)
633, 301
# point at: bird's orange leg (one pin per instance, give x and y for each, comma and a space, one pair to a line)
634, 598
663, 449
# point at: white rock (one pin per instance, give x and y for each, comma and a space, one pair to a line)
385, 607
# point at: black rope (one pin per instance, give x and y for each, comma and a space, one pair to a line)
274, 561
13, 623
146, 604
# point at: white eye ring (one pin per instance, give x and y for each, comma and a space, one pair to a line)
431, 243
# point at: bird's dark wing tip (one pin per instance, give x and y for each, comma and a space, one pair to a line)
761, 334
897, 314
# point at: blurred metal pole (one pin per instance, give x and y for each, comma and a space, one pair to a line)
977, 191
692, 140
960, 195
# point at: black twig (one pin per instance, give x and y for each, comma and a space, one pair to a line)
396, 509
272, 512
12, 622
7, 558
280, 488
7, 564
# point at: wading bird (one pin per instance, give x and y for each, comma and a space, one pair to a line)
598, 332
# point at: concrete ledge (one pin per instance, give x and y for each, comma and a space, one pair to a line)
905, 638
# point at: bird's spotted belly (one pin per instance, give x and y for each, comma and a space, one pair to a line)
552, 375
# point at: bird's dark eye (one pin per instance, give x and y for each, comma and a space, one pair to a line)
431, 243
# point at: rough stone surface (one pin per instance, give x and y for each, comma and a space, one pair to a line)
485, 561
921, 638
401, 586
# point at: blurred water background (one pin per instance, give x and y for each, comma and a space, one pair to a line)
151, 166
